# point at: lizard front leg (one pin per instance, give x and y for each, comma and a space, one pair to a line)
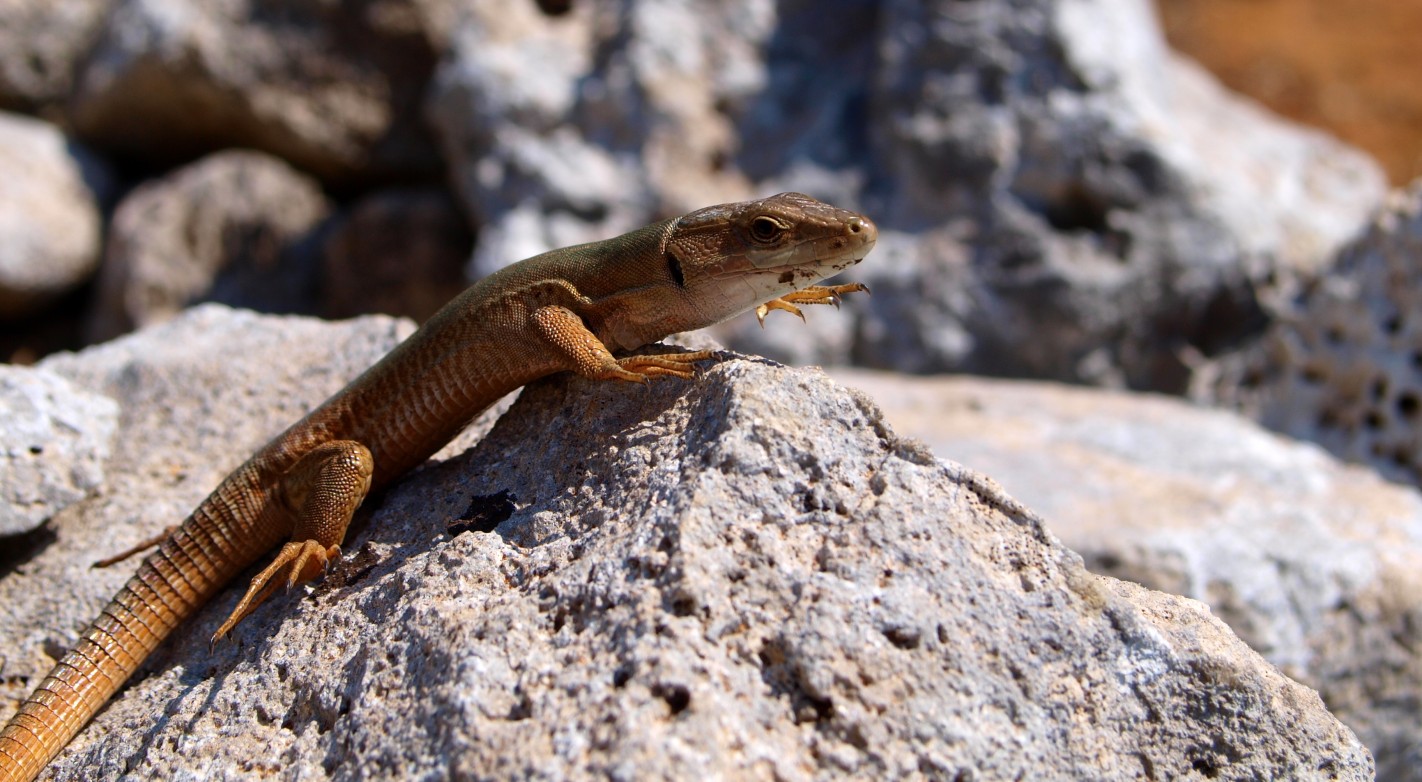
586, 355
815, 294
322, 491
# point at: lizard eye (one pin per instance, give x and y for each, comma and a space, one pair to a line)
765, 230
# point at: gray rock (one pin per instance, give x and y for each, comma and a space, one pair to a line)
1315, 564
565, 129
1342, 368
41, 43
745, 576
399, 252
1059, 195
235, 227
334, 88
49, 214
56, 439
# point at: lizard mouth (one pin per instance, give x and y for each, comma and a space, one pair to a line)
824, 256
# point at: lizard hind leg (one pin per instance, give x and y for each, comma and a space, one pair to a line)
322, 491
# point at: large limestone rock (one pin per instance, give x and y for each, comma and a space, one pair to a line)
746, 576
1058, 195
50, 220
1317, 565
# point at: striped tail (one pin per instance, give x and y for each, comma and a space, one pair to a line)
171, 585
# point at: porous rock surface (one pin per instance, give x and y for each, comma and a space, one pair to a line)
747, 576
50, 219
1317, 565
1344, 368
235, 227
54, 442
1058, 195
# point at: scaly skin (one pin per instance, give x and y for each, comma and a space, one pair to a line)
566, 310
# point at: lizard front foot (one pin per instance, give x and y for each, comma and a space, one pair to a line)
815, 294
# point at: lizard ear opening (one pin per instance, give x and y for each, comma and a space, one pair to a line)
674, 266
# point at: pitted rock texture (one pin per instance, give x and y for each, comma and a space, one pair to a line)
1345, 368
1317, 565
748, 576
54, 442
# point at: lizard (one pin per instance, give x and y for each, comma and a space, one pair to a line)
574, 309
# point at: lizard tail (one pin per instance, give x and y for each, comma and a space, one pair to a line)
171, 584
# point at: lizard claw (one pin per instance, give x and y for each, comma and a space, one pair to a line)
777, 304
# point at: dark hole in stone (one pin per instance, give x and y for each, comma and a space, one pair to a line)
683, 605
1374, 420
521, 710
1392, 324
1205, 768
1408, 404
1328, 419
1077, 210
484, 514
903, 637
554, 7
677, 696
622, 675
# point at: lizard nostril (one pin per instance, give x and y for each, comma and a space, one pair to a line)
861, 228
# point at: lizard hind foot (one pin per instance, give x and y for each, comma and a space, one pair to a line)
640, 369
297, 562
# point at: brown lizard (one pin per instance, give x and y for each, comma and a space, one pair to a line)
565, 310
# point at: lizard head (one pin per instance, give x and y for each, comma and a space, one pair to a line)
732, 257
